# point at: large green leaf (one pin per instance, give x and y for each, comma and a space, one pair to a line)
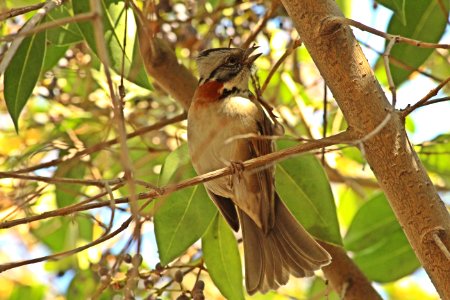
222, 259
425, 21
65, 34
398, 6
22, 74
114, 17
303, 185
379, 245
435, 155
182, 217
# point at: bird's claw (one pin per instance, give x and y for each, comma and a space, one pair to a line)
237, 168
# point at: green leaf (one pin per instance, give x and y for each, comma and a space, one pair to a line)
435, 155
318, 287
66, 34
114, 16
303, 185
52, 56
22, 74
380, 247
182, 217
35, 292
222, 259
398, 6
425, 21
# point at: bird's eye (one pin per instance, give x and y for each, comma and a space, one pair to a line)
232, 60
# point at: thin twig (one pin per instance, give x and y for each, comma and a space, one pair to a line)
436, 100
19, 11
441, 245
103, 145
341, 20
261, 24
55, 180
295, 44
40, 14
117, 105
422, 101
48, 25
9, 266
387, 67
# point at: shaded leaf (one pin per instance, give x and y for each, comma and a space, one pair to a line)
425, 21
114, 16
379, 245
182, 217
222, 259
22, 74
303, 185
52, 57
435, 155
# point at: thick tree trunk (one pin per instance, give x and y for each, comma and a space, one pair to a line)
401, 175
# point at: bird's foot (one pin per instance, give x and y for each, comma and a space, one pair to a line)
237, 168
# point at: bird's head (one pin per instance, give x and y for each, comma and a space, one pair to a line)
229, 66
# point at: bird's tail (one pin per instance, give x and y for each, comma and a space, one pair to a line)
287, 249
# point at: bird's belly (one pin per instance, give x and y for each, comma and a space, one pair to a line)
212, 146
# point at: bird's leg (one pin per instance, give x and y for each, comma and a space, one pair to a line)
237, 168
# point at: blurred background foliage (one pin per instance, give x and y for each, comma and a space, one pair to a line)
56, 104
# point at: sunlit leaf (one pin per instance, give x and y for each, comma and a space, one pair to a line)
345, 6
182, 217
398, 6
114, 17
65, 34
222, 259
425, 21
22, 74
303, 185
318, 289
379, 245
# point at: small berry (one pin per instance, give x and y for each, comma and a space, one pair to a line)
127, 258
136, 260
178, 276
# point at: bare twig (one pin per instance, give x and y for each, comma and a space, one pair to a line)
261, 24
40, 14
400, 39
19, 11
441, 245
9, 266
117, 105
99, 183
103, 145
48, 25
422, 101
295, 44
387, 67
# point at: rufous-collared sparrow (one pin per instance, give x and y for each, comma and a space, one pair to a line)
224, 111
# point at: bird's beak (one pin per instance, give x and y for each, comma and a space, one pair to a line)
250, 59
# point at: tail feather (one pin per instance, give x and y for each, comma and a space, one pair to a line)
286, 249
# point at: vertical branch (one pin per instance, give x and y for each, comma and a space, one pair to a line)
117, 106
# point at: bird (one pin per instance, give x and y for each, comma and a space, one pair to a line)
224, 122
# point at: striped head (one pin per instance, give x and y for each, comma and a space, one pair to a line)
228, 66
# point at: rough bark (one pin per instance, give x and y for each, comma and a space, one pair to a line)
181, 86
345, 278
401, 175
